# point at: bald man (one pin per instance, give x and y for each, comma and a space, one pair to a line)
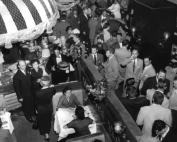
22, 86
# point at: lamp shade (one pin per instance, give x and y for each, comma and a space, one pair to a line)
22, 20
166, 35
118, 127
133, 29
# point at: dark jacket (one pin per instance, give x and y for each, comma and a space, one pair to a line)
133, 105
150, 83
84, 24
22, 84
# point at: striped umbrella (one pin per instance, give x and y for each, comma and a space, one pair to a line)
22, 20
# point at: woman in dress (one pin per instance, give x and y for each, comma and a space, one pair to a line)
36, 74
43, 103
68, 100
81, 123
106, 32
115, 9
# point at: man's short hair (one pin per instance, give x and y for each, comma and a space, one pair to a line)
162, 84
111, 50
94, 46
162, 70
106, 25
148, 57
114, 33
85, 8
125, 42
131, 91
158, 125
158, 97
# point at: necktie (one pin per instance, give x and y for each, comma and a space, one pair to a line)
133, 66
95, 59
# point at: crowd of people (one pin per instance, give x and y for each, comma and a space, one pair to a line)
99, 31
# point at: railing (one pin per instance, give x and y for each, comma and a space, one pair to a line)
111, 110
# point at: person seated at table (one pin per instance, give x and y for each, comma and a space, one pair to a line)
68, 100
43, 103
81, 123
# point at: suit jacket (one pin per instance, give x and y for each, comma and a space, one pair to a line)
122, 54
147, 72
53, 62
75, 22
148, 114
133, 105
170, 137
150, 94
84, 24
150, 83
60, 28
92, 26
129, 69
22, 84
112, 69
99, 60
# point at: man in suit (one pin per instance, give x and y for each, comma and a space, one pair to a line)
161, 86
148, 114
84, 29
60, 27
151, 82
111, 70
96, 59
92, 27
133, 103
148, 71
122, 54
58, 75
134, 67
163, 132
22, 86
75, 20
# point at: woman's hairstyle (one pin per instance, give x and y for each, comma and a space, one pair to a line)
129, 82
106, 25
162, 84
158, 125
66, 89
79, 112
56, 47
35, 61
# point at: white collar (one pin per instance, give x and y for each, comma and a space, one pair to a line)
111, 56
23, 71
160, 91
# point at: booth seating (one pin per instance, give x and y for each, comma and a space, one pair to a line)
89, 138
12, 101
76, 90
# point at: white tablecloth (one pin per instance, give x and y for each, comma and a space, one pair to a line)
65, 115
8, 125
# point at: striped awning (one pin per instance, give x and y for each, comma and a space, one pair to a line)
22, 20
65, 5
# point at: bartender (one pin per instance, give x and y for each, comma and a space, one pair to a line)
58, 75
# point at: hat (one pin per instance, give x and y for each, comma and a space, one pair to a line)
76, 31
46, 78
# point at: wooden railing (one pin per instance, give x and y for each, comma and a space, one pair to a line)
111, 110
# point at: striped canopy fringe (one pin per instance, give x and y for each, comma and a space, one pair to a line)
22, 20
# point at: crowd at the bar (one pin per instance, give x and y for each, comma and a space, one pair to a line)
97, 30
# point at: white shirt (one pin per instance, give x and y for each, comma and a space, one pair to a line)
94, 56
86, 16
59, 59
23, 71
136, 60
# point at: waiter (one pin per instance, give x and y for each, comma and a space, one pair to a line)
58, 75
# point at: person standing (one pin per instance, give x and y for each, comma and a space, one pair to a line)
22, 86
134, 67
43, 103
75, 20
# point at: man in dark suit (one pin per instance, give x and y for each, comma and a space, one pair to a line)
84, 29
75, 20
133, 103
163, 132
151, 83
96, 59
58, 75
22, 86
